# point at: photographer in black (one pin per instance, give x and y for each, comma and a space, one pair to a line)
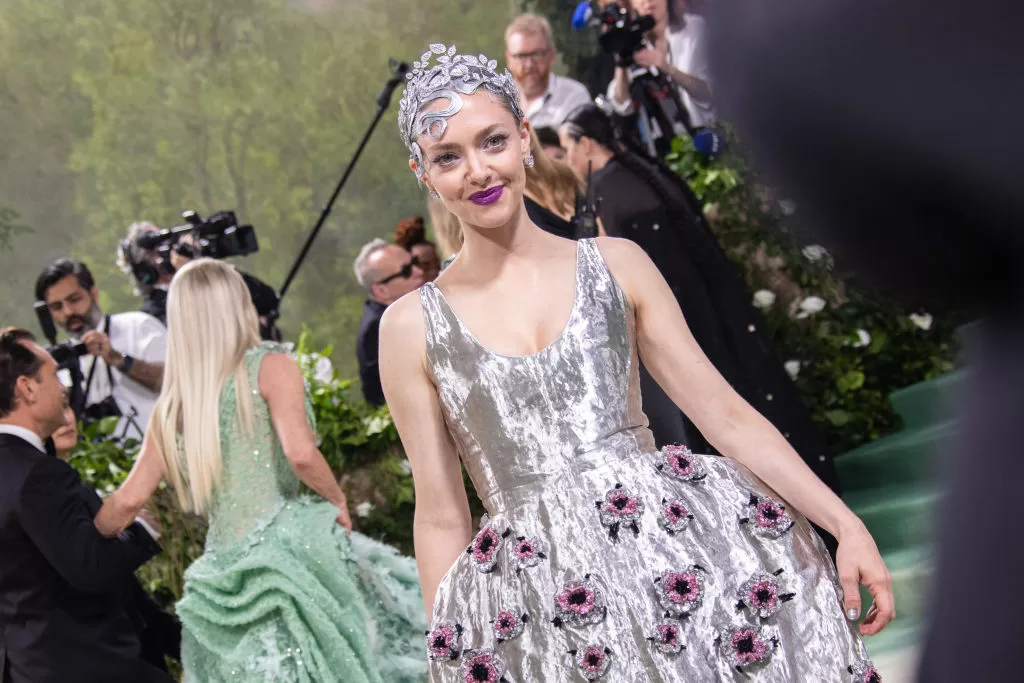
124, 363
149, 272
151, 256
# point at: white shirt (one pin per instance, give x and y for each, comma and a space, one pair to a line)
687, 51
22, 433
562, 97
142, 337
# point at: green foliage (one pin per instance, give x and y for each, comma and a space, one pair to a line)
102, 462
853, 352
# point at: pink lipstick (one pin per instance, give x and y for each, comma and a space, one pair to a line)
488, 196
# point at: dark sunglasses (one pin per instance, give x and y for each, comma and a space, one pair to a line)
405, 272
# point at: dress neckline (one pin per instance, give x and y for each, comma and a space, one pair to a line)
555, 342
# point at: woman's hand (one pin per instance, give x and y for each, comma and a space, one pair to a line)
859, 563
656, 57
343, 517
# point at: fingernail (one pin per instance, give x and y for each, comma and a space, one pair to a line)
851, 613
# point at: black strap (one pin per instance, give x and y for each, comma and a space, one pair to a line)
92, 369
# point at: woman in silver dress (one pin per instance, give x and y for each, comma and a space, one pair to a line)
601, 556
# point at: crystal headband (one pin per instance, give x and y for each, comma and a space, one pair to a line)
452, 75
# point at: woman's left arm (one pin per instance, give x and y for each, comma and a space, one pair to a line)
122, 507
675, 360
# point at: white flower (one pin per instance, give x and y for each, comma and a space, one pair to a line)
406, 467
323, 371
922, 320
815, 252
788, 207
792, 367
863, 338
375, 424
810, 306
364, 508
764, 298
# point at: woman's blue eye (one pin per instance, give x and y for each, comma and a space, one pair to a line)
496, 140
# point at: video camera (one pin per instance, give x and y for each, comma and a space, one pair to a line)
66, 354
620, 33
219, 236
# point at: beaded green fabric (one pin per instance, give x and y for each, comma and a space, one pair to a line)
282, 593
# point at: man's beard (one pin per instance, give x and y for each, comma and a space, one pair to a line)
533, 85
90, 321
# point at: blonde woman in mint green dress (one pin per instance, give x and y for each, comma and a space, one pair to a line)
284, 590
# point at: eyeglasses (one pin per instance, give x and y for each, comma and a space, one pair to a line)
405, 272
527, 56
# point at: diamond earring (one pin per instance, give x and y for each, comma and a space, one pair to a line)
528, 161
434, 195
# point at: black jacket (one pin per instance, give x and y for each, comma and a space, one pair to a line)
367, 346
62, 612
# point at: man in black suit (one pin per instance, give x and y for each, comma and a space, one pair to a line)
388, 272
62, 616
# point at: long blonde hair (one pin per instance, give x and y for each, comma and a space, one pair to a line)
549, 182
211, 323
446, 226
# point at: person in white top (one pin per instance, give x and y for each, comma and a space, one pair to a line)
547, 98
677, 47
125, 365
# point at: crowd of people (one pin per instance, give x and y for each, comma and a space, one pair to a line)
561, 360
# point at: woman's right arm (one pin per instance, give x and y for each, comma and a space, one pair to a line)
281, 384
618, 92
443, 526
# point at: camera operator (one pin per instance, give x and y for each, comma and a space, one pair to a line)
677, 47
125, 364
149, 272
263, 296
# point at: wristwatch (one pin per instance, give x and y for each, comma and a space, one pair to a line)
126, 364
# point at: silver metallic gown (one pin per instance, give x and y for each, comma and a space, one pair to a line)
601, 557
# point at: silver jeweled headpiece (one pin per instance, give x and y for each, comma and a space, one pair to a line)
452, 75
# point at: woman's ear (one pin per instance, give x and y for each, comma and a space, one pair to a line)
524, 136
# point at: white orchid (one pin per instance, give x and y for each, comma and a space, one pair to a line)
764, 298
863, 338
792, 367
922, 320
810, 306
815, 253
364, 508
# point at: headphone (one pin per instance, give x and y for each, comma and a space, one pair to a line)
146, 272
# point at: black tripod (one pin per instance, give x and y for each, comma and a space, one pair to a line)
398, 71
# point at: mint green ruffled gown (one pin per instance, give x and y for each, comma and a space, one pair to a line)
281, 593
